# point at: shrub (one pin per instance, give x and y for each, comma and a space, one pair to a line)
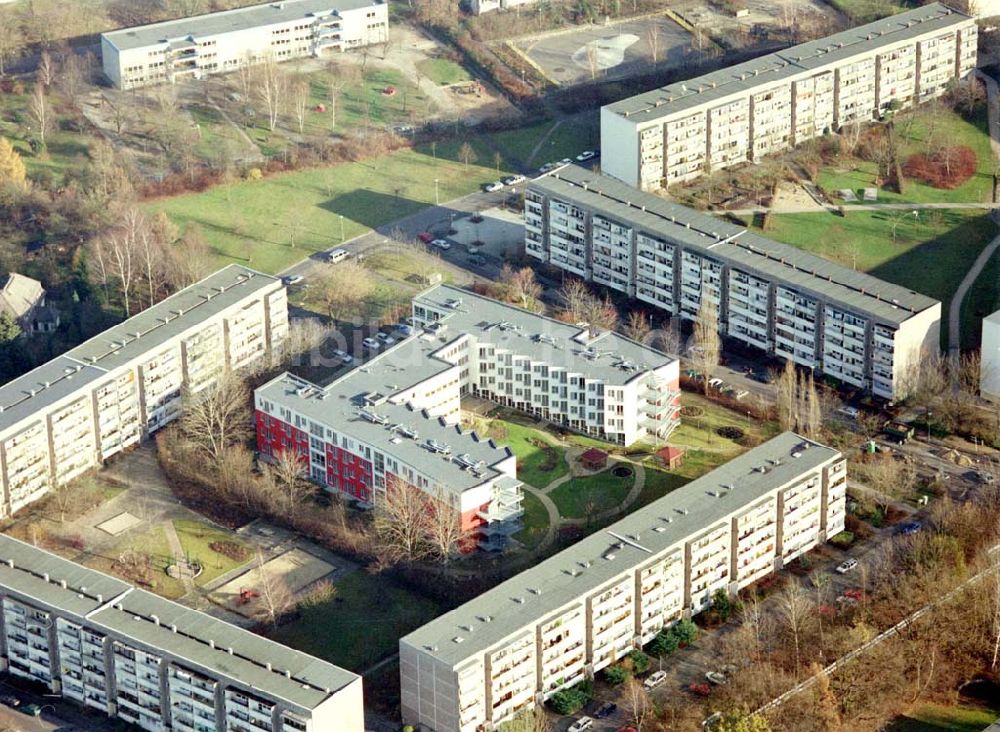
640, 661
572, 700
685, 631
700, 689
722, 605
254, 174
843, 540
230, 549
946, 168
663, 644
616, 675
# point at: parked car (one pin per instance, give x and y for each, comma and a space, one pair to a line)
655, 679
386, 339
548, 167
910, 528
606, 710
404, 329
337, 255
847, 565
763, 377
371, 343
344, 356
512, 180
493, 187
10, 700
849, 412
586, 155
290, 280
583, 723
32, 710
426, 237
477, 260
441, 244
716, 677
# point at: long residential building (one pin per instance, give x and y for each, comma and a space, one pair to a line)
742, 113
848, 325
563, 620
125, 652
191, 48
95, 400
396, 418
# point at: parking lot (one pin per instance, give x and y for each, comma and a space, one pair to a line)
610, 51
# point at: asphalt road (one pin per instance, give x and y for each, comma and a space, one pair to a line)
57, 714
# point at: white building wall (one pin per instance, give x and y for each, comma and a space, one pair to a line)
620, 153
989, 375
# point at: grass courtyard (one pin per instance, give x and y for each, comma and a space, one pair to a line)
939, 718
931, 125
567, 139
588, 496
151, 543
361, 624
196, 537
930, 254
271, 223
535, 521
540, 460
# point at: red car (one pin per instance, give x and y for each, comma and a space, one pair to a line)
627, 729
426, 237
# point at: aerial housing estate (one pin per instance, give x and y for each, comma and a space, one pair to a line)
854, 327
568, 617
743, 112
135, 656
194, 47
396, 418
95, 400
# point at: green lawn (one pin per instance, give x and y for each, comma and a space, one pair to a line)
939, 718
602, 492
929, 122
361, 624
443, 71
658, 484
539, 459
272, 223
535, 521
196, 536
867, 11
64, 149
983, 299
151, 542
568, 140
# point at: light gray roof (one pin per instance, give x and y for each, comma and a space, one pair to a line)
61, 377
19, 294
229, 21
539, 337
551, 585
792, 62
338, 405
136, 614
735, 245
130, 613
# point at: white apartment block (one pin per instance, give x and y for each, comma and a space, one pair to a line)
858, 329
72, 413
161, 666
744, 112
395, 418
195, 47
588, 606
989, 364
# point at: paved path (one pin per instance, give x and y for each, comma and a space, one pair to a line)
177, 550
955, 309
855, 207
545, 138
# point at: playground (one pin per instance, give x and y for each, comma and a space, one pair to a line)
298, 569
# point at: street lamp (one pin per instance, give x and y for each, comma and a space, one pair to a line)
341, 228
437, 199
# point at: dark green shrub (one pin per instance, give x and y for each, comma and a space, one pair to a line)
640, 661
616, 675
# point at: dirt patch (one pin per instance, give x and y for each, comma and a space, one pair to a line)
296, 568
551, 459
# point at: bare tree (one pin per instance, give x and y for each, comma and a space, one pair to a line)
288, 469
46, 69
300, 102
401, 523
794, 608
533, 719
812, 411
444, 526
600, 314
653, 41
593, 61
274, 599
270, 85
787, 397
116, 255
39, 111
636, 703
572, 297
707, 344
466, 154
520, 286
343, 288
638, 326
218, 416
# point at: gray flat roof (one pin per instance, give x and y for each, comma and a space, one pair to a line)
618, 360
338, 406
136, 614
229, 21
40, 388
86, 589
88, 595
824, 52
733, 244
551, 585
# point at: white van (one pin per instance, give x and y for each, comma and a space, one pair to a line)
337, 255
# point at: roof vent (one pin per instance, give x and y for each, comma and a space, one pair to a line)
659, 529
518, 600
682, 511
609, 556
458, 639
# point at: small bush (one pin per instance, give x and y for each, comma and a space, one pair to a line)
700, 689
663, 644
843, 540
947, 168
616, 675
572, 700
640, 661
231, 549
722, 605
686, 632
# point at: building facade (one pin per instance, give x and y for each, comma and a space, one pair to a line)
191, 48
744, 112
22, 299
568, 617
989, 364
396, 417
74, 412
858, 329
161, 666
